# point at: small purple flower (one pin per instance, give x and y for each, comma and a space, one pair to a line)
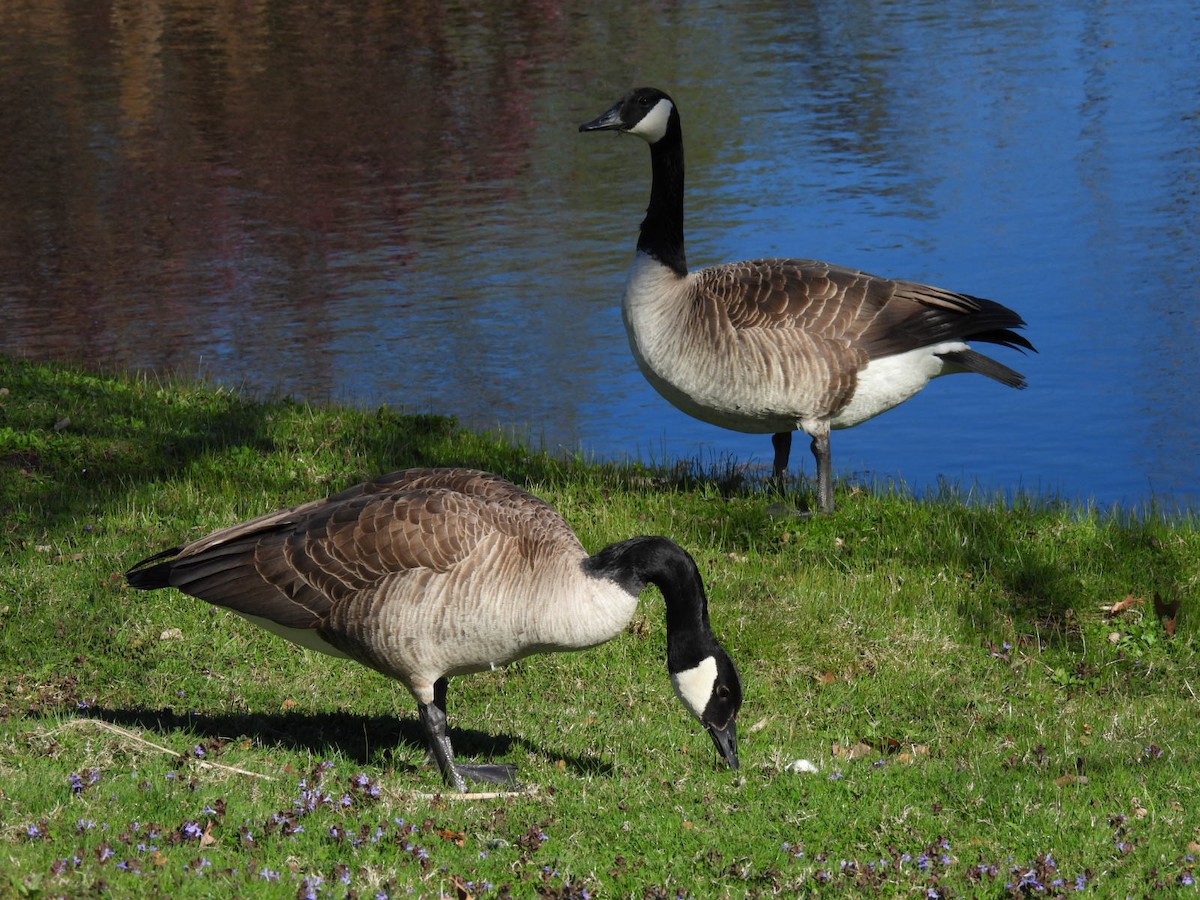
85, 824
76, 783
1030, 879
198, 751
268, 874
1187, 879
192, 831
34, 832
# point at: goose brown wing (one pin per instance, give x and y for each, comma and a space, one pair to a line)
854, 315
293, 567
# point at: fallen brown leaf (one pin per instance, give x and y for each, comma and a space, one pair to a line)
1167, 612
1129, 602
1066, 780
852, 752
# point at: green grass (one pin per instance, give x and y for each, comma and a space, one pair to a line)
975, 716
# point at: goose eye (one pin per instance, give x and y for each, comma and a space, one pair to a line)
722, 691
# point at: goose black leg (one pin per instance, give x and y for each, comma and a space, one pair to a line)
456, 775
782, 442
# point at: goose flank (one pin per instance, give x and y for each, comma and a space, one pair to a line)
769, 346
425, 574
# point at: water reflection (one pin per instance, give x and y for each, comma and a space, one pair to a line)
388, 203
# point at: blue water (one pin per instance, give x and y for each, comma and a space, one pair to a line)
388, 208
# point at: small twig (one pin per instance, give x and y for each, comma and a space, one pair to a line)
138, 739
455, 795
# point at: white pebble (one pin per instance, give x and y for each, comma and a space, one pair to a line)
802, 767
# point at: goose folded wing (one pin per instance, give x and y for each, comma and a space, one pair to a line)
293, 567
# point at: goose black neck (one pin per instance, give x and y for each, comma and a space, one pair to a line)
639, 561
662, 229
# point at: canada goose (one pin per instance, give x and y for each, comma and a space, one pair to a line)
427, 573
771, 345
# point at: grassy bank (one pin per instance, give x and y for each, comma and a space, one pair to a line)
981, 725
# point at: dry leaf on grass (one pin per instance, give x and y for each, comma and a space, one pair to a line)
1129, 602
1167, 612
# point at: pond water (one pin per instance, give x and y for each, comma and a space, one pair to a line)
390, 204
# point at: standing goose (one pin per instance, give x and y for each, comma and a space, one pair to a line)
771, 345
427, 573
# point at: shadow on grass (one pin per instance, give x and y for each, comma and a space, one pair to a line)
360, 738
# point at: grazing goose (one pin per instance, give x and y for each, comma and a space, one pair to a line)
771, 345
428, 573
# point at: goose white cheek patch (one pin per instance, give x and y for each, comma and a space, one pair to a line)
695, 686
653, 126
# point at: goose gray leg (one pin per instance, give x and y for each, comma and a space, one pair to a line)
456, 775
820, 450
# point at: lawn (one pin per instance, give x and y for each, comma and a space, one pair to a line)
945, 696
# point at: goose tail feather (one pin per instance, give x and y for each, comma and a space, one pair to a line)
153, 572
973, 361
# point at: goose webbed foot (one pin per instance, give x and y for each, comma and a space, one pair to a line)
456, 775
492, 773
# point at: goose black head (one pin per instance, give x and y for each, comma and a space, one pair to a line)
646, 112
712, 690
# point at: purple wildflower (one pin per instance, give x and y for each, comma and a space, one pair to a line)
34, 832
268, 874
198, 751
191, 831
1186, 878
